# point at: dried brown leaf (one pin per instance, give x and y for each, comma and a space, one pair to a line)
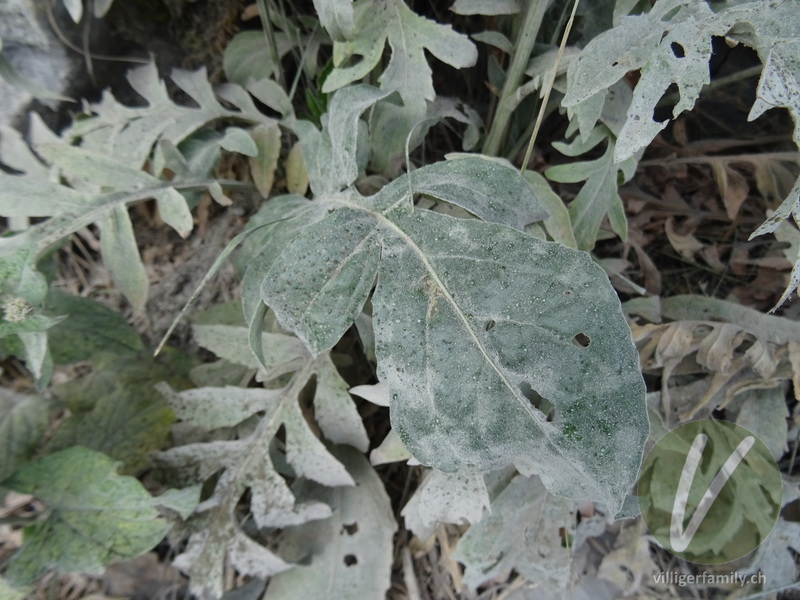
684, 244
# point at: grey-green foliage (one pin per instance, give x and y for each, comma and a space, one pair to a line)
672, 44
245, 452
349, 555
115, 155
474, 320
528, 530
598, 197
355, 54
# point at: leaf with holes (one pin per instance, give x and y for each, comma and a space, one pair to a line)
252, 459
350, 553
671, 46
497, 347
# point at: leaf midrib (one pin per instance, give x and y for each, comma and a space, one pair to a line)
389, 224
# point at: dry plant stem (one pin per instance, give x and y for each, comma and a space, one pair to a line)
548, 88
734, 158
522, 53
409, 575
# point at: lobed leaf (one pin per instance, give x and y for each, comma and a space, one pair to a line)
524, 533
350, 552
409, 35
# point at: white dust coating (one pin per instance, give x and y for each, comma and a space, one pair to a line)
334, 409
486, 188
350, 553
319, 283
377, 393
458, 498
213, 407
524, 532
467, 315
306, 454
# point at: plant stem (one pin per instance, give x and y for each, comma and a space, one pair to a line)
522, 53
549, 88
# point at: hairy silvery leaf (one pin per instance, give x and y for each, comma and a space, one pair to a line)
330, 154
121, 255
523, 532
95, 516
598, 197
251, 463
336, 16
497, 347
97, 167
350, 552
774, 558
393, 128
486, 187
409, 35
446, 498
672, 44
262, 166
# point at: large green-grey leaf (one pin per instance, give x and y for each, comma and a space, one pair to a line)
94, 515
488, 188
497, 347
23, 421
475, 323
288, 216
351, 552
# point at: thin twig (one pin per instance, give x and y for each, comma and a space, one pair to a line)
548, 89
409, 575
